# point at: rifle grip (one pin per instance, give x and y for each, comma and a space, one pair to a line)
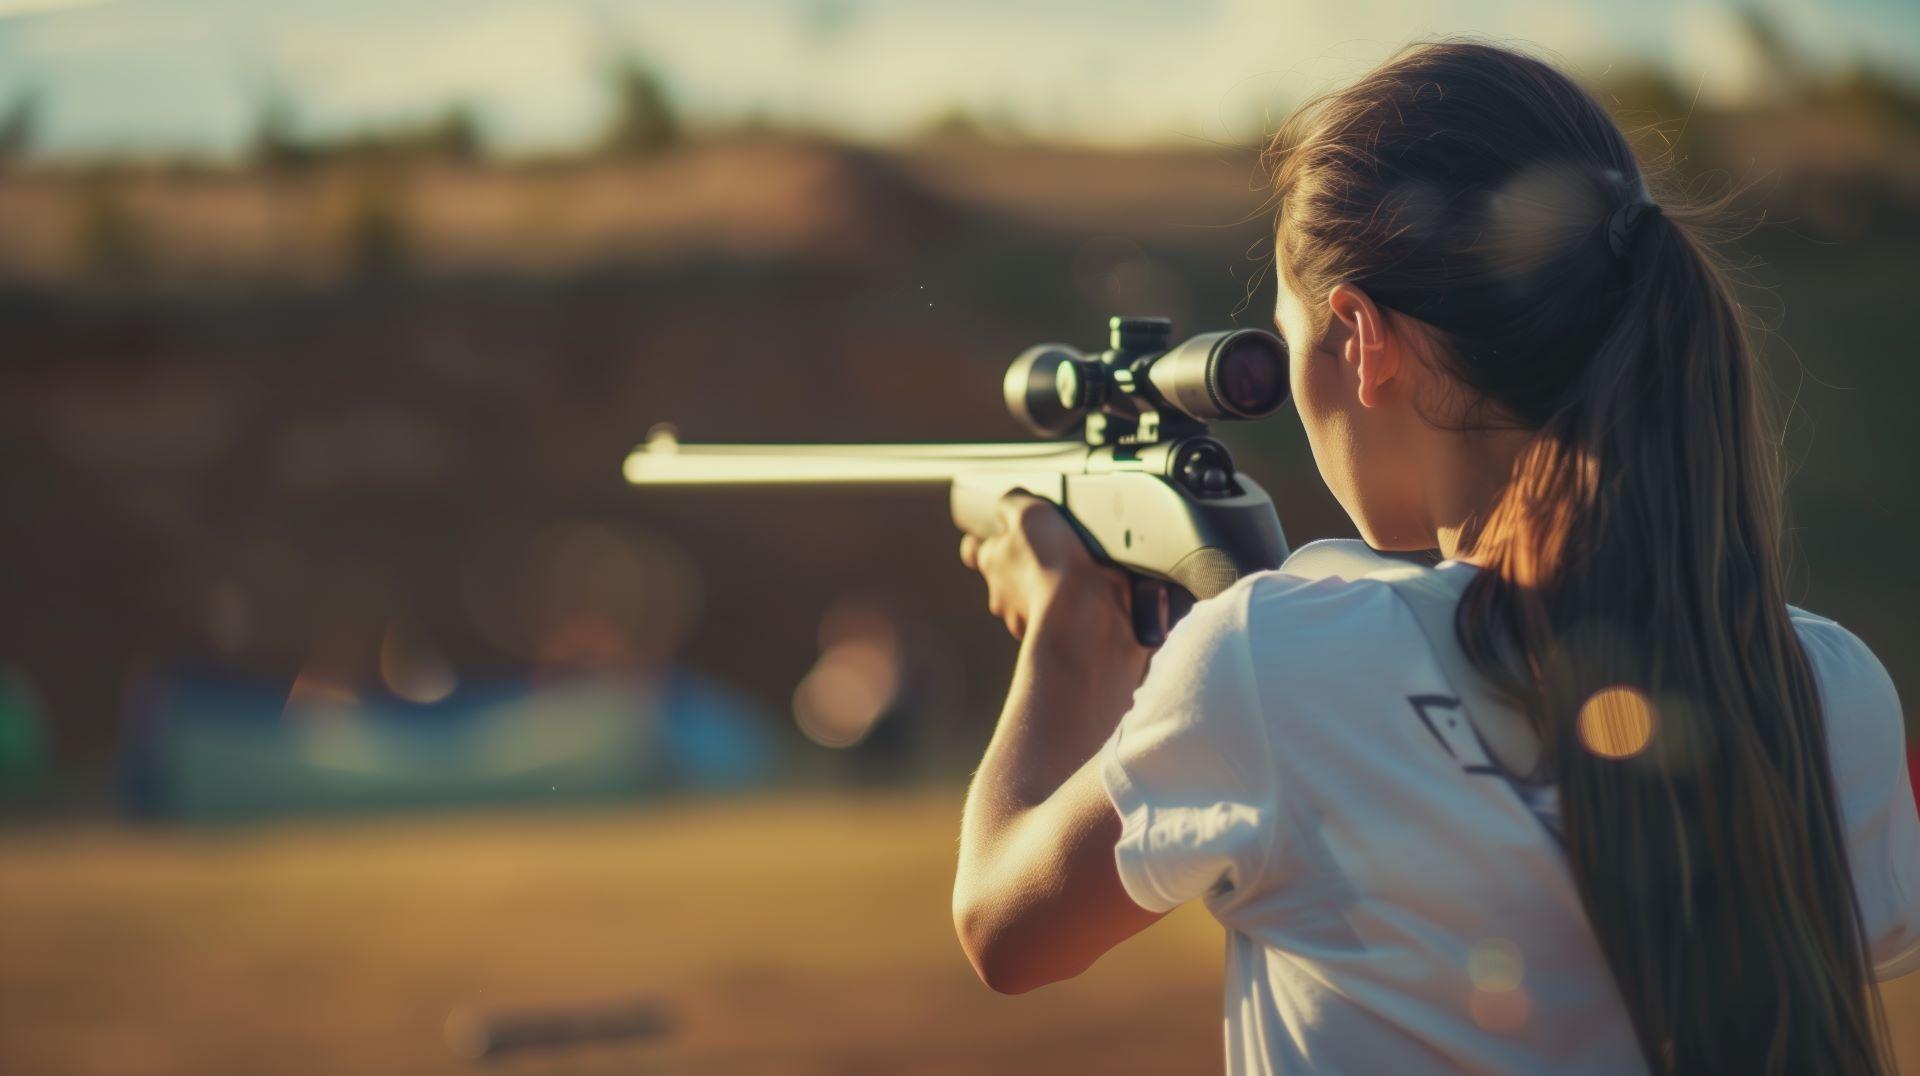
976, 505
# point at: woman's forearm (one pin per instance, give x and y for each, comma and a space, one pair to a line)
1074, 678
1036, 897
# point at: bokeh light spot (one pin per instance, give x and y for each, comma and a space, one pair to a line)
857, 680
1500, 1010
1495, 965
1496, 968
413, 669
1616, 722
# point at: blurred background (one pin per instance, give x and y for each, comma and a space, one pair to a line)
355, 717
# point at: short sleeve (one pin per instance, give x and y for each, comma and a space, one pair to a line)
1189, 768
1867, 746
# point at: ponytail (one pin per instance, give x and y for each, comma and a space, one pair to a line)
1636, 561
1633, 599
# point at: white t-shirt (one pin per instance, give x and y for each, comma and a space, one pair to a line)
1389, 908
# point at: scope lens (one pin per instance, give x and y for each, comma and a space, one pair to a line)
1250, 377
1044, 389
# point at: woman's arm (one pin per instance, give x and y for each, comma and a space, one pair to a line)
1036, 897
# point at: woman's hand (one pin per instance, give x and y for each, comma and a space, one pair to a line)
1036, 564
1036, 894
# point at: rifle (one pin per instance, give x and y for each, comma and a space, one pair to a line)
1148, 490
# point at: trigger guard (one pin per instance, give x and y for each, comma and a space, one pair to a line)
1150, 608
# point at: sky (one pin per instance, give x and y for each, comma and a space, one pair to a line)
191, 75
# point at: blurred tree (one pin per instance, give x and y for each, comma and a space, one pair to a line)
1876, 93
19, 125
455, 134
275, 142
826, 23
23, 741
111, 246
376, 227
955, 124
1637, 93
1789, 75
757, 123
958, 123
644, 120
1658, 114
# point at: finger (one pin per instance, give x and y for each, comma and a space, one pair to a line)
1017, 508
1043, 528
970, 551
987, 553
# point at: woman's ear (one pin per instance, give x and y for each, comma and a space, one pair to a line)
1375, 358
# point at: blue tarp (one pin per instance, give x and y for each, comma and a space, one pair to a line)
206, 746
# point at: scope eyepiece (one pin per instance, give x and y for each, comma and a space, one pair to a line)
1237, 374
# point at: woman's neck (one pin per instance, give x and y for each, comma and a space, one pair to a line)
1468, 475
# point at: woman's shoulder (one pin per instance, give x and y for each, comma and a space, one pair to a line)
1830, 638
1315, 604
1333, 576
1855, 690
1867, 752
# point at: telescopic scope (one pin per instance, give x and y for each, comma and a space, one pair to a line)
1237, 374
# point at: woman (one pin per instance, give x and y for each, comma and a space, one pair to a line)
1625, 807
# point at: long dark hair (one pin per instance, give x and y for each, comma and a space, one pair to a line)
1633, 599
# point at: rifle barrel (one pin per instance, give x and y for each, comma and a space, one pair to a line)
666, 462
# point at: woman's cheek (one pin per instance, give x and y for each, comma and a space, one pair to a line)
1330, 432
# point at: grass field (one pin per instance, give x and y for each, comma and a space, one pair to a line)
805, 935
